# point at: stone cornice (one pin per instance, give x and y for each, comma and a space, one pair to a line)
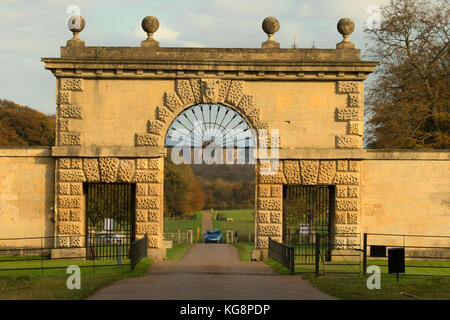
242, 64
94, 151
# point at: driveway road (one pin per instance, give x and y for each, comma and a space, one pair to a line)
211, 271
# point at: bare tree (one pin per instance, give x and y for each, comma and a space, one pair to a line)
409, 99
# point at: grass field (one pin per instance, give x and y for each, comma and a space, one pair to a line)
243, 220
51, 283
172, 226
354, 286
244, 250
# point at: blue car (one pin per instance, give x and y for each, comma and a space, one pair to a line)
213, 235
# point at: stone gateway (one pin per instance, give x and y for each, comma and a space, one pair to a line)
116, 104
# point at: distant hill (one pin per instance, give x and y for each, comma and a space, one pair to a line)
232, 173
24, 126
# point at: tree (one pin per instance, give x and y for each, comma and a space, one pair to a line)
408, 101
23, 126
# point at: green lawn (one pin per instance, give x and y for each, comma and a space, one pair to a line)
177, 251
354, 286
243, 220
244, 250
172, 226
51, 283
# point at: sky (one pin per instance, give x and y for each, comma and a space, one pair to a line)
32, 29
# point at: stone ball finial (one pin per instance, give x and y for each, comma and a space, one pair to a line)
150, 24
345, 27
76, 24
270, 25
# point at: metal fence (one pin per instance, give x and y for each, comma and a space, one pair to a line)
282, 253
41, 253
138, 250
425, 255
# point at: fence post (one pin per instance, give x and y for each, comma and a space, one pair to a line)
317, 254
291, 260
365, 254
179, 236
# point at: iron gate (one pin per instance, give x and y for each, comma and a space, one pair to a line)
307, 211
110, 220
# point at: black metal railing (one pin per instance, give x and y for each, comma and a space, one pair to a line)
41, 253
282, 253
425, 255
138, 250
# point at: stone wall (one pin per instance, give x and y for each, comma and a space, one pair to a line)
146, 173
344, 174
407, 195
26, 196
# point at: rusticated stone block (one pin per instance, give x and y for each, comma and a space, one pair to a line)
153, 242
352, 218
147, 202
171, 101
345, 230
254, 115
246, 103
224, 86
270, 204
147, 139
277, 178
75, 242
153, 164
276, 191
309, 171
353, 243
146, 228
262, 242
346, 178
292, 171
348, 142
163, 114
77, 163
63, 242
64, 97
355, 128
264, 190
74, 84
340, 243
69, 111
142, 164
155, 127
64, 214
353, 192
346, 114
347, 87
264, 216
341, 191
235, 92
71, 175
342, 165
153, 215
75, 214
340, 218
91, 170
69, 201
142, 189
68, 228
64, 163
271, 230
354, 166
70, 139
76, 188
347, 204
183, 88
327, 170
141, 215
354, 100
196, 90
64, 188
276, 217
154, 189
108, 169
63, 125
146, 176
126, 170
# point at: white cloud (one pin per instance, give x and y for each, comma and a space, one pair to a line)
163, 33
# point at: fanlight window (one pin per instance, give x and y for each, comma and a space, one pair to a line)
205, 124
